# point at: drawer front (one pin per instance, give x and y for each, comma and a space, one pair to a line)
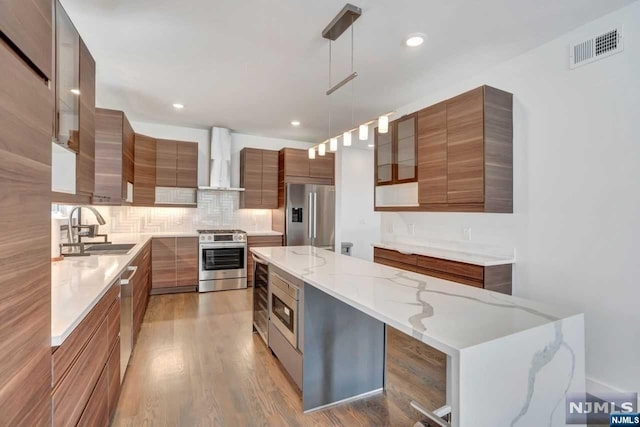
264, 241
113, 371
113, 322
469, 271
64, 355
70, 397
450, 277
396, 256
392, 263
96, 413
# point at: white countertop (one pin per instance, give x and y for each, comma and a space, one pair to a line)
448, 254
448, 316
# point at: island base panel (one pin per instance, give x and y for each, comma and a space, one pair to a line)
344, 351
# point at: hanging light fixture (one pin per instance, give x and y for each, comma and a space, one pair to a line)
346, 139
322, 149
333, 145
364, 132
383, 124
312, 153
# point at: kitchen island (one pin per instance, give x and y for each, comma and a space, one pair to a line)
510, 361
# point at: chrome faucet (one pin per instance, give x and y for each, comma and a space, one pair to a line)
92, 229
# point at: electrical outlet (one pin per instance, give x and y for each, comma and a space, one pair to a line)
412, 229
466, 233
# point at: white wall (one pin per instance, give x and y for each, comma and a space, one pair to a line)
240, 141
358, 222
201, 136
576, 226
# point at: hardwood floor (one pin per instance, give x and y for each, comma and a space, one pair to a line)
196, 363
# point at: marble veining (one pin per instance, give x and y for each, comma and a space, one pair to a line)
443, 314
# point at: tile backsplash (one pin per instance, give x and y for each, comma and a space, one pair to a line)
216, 209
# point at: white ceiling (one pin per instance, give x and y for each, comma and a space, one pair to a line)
255, 65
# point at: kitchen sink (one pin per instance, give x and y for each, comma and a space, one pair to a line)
109, 248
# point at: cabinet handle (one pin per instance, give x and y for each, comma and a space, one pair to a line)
133, 269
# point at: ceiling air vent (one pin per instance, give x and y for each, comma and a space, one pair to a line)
596, 48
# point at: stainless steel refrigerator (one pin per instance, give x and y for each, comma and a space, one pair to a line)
310, 215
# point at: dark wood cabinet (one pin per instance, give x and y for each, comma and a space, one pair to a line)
114, 158
396, 152
85, 167
174, 264
259, 178
187, 261
28, 25
26, 117
96, 413
256, 242
465, 151
176, 164
432, 154
140, 288
144, 172
495, 278
113, 372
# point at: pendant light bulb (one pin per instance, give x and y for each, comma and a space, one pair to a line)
322, 149
312, 153
383, 124
364, 132
346, 139
333, 145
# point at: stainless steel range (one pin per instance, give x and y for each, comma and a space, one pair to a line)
222, 260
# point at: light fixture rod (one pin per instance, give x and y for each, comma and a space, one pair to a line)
342, 83
343, 20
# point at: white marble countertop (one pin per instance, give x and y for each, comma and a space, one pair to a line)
448, 316
78, 283
448, 254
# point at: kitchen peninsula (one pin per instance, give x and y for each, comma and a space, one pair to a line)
510, 361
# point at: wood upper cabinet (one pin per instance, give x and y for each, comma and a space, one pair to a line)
465, 153
85, 167
114, 158
67, 83
432, 154
259, 178
296, 163
187, 165
28, 24
174, 264
396, 156
144, 172
26, 117
176, 164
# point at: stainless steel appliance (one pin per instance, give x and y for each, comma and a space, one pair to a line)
126, 318
284, 308
261, 297
222, 260
310, 215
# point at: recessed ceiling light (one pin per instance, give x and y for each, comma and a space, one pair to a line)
414, 40
75, 91
295, 123
178, 106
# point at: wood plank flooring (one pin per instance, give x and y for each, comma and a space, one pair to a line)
197, 363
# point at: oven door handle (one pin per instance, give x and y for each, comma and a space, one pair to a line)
222, 246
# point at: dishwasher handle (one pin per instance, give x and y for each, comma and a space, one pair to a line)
133, 269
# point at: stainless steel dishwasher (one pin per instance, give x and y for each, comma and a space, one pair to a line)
126, 318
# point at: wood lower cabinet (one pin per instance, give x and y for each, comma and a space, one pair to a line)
176, 164
96, 413
495, 278
114, 158
257, 242
174, 264
113, 382
141, 288
26, 117
144, 173
259, 178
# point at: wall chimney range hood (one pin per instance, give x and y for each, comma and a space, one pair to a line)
220, 163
